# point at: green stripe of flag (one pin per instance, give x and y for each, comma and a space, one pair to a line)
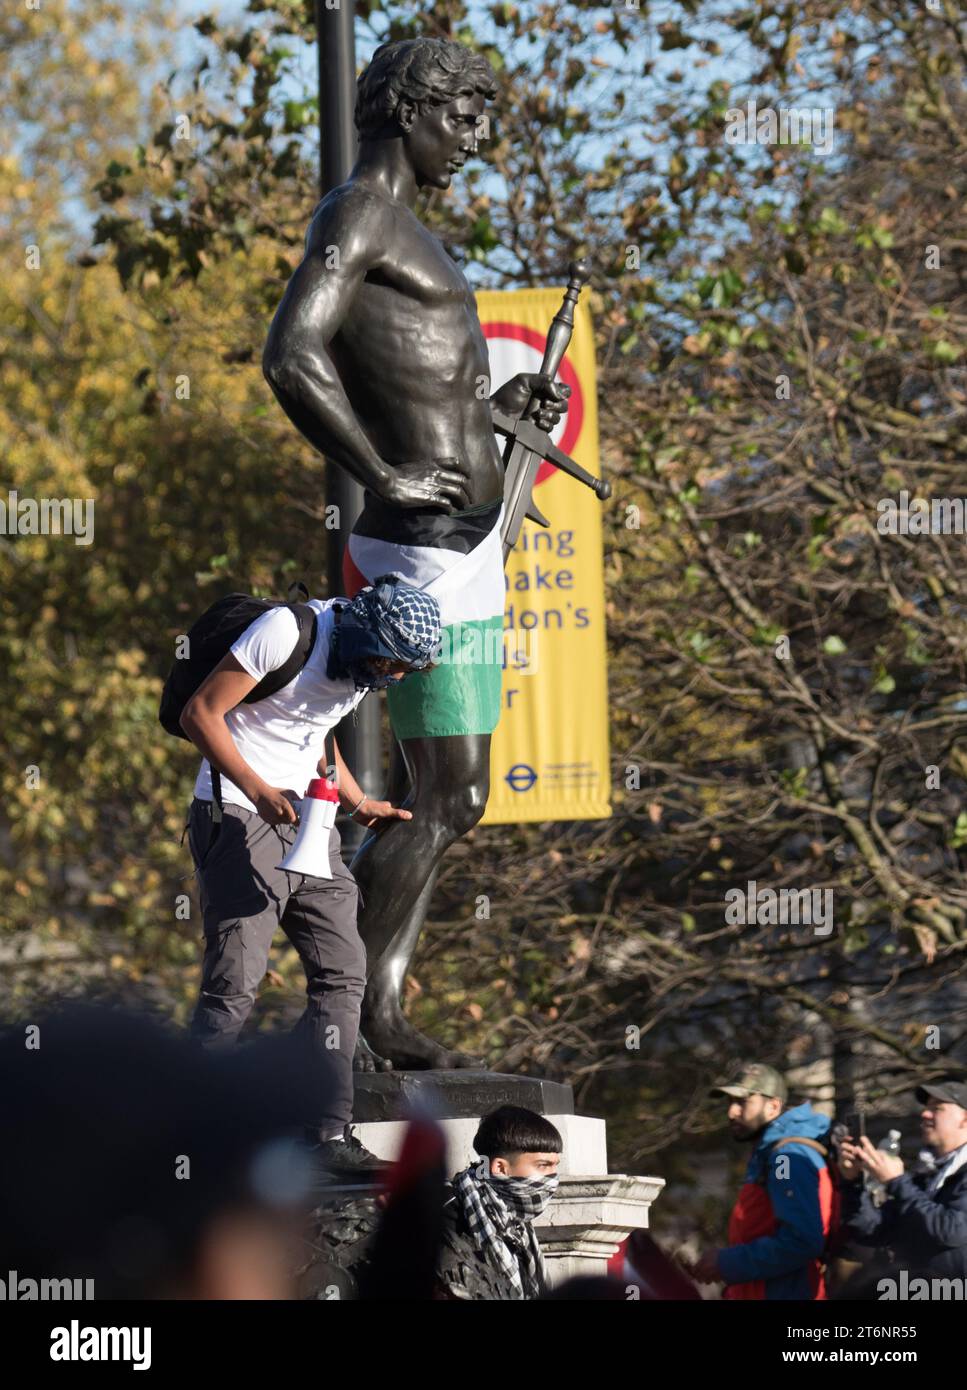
461, 695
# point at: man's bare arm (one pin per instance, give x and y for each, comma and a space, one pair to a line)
372, 813
203, 720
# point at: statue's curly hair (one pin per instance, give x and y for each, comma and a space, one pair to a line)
428, 72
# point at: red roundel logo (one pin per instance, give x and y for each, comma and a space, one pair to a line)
522, 350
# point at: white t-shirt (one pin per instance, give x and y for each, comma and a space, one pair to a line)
282, 737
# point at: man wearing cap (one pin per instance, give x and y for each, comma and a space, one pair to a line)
782, 1217
266, 754
923, 1219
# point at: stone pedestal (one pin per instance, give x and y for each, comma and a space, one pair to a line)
591, 1214
585, 1149
393, 1095
457, 1100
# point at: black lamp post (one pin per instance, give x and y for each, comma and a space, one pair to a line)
359, 742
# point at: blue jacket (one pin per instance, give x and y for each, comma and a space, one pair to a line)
927, 1232
793, 1202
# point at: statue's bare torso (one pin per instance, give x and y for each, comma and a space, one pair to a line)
410, 352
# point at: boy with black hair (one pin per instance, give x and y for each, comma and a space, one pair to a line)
490, 1249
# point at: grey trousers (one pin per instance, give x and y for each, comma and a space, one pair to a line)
244, 898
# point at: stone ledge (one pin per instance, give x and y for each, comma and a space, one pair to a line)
598, 1209
392, 1095
589, 1218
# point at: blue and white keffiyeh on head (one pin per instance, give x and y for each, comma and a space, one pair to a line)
388, 619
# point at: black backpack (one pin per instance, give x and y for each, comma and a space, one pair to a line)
210, 638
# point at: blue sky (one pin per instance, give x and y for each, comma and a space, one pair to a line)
675, 72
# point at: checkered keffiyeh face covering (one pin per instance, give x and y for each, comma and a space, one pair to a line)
496, 1209
388, 619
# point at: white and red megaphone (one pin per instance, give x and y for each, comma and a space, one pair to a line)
317, 815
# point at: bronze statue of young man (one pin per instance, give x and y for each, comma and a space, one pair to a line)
376, 354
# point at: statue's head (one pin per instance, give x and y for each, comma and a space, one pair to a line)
430, 93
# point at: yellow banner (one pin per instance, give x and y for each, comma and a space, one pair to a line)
549, 758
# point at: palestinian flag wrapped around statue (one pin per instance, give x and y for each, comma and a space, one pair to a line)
458, 559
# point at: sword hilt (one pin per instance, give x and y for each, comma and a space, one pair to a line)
562, 325
518, 489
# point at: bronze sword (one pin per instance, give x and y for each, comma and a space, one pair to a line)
522, 459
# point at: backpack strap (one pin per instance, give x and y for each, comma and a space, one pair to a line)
329, 749
217, 808
329, 744
800, 1139
273, 681
791, 1139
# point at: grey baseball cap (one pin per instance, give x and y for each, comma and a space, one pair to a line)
752, 1078
947, 1088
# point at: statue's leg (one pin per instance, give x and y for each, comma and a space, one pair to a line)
397, 870
443, 719
397, 792
387, 979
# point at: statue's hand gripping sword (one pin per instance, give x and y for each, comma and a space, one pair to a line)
527, 446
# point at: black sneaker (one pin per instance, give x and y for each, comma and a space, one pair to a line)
349, 1159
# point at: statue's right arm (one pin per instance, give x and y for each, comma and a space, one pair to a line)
345, 240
